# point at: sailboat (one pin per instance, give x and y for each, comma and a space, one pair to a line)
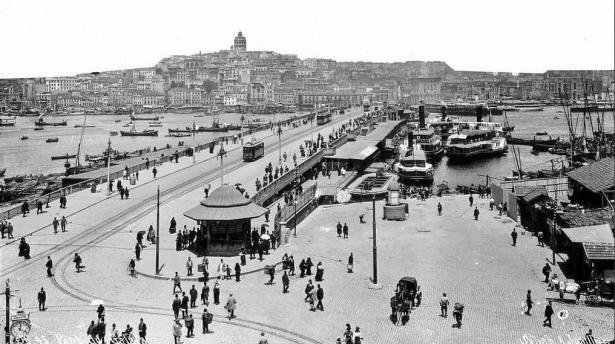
215, 126
133, 132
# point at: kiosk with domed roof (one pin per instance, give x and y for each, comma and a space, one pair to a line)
224, 220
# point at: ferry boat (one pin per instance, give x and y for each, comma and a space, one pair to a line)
134, 132
528, 107
444, 127
429, 142
7, 121
461, 109
40, 122
413, 167
476, 142
135, 118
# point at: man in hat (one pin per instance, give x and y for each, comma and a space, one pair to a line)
177, 331
548, 314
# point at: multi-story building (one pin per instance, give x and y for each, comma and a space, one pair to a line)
183, 96
61, 84
425, 89
310, 98
240, 43
257, 93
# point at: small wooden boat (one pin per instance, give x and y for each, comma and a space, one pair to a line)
154, 122
542, 133
179, 135
52, 139
113, 133
62, 157
41, 123
24, 138
135, 118
39, 128
155, 125
117, 121
86, 126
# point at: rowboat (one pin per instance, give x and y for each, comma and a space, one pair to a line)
52, 139
62, 157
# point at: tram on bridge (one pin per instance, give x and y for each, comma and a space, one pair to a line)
323, 118
253, 150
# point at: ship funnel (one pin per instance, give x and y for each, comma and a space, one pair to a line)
443, 109
421, 116
479, 113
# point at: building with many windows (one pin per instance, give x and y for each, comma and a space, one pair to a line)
182, 96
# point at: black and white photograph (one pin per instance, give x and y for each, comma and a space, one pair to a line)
282, 171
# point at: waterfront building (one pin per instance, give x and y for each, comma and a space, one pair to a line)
425, 89
182, 96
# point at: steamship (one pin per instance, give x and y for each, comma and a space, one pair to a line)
462, 109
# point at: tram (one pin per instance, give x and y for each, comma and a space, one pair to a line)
253, 150
323, 118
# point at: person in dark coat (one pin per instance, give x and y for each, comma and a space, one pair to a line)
138, 251
49, 266
177, 304
302, 268
142, 330
205, 294
548, 314
42, 298
528, 302
308, 266
320, 294
285, 282
439, 209
514, 237
471, 200
217, 293
291, 266
339, 229
178, 242
237, 272
185, 301
308, 290
207, 317
345, 230
193, 296
476, 212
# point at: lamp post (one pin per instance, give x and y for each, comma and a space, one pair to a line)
109, 168
242, 119
222, 155
375, 252
7, 294
295, 216
280, 145
158, 231
193, 145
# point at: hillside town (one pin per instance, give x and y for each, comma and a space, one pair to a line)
241, 80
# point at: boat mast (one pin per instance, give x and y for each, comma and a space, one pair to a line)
85, 116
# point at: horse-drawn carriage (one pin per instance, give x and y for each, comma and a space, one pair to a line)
403, 301
594, 291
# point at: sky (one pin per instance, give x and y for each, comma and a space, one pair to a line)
65, 37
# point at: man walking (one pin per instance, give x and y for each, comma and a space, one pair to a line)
177, 304
189, 266
142, 331
444, 306
471, 200
231, 304
514, 236
189, 326
285, 283
193, 296
176, 282
546, 270
439, 209
185, 301
42, 297
308, 290
205, 294
339, 229
49, 266
207, 318
476, 212
529, 302
548, 315
63, 223
320, 294
177, 329
55, 225
345, 230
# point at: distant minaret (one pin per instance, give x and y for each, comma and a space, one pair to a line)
240, 42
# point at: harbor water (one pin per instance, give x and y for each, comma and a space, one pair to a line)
33, 156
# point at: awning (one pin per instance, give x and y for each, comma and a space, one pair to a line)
355, 151
599, 234
599, 251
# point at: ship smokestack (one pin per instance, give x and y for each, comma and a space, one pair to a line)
421, 115
479, 113
443, 109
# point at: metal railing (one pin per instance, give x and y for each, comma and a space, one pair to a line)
299, 202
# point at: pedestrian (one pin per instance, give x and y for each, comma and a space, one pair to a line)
154, 171
348, 335
177, 330
230, 306
138, 251
39, 207
271, 275
205, 294
471, 200
339, 229
185, 302
514, 237
476, 212
320, 271
142, 331
548, 315
439, 209
308, 266
176, 305
77, 260
121, 193
91, 331
189, 266
302, 268
529, 302
189, 322
126, 192
444, 306
49, 266
291, 266
345, 230
308, 290
42, 298
540, 237
221, 269
320, 294
237, 272
419, 296
207, 318
228, 271
358, 336
491, 204
193, 296
55, 223
263, 340
63, 224
546, 270
350, 265
216, 293
242, 256
9, 230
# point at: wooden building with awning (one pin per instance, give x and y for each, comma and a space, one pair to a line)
589, 247
594, 184
224, 220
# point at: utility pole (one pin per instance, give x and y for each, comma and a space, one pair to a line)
295, 216
280, 145
158, 232
375, 252
193, 144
